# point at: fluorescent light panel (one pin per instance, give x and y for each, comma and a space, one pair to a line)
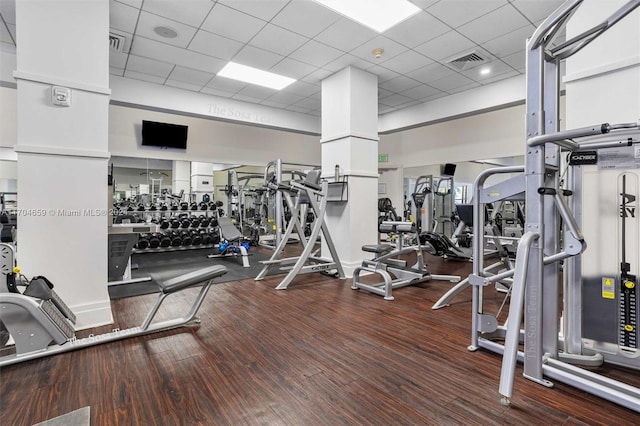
255, 76
379, 15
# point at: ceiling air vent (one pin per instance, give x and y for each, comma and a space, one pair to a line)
116, 42
468, 60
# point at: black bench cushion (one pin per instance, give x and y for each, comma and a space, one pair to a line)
191, 278
377, 248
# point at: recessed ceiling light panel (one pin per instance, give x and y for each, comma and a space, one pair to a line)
379, 15
255, 76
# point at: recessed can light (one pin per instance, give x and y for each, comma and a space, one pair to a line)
166, 32
485, 71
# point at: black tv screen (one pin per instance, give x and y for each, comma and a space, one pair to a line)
164, 135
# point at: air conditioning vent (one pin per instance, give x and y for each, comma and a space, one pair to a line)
468, 60
116, 42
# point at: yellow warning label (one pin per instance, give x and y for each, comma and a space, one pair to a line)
628, 327
629, 284
608, 288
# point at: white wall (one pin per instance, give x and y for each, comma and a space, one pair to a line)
210, 140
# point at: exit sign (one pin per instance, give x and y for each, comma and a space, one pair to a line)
383, 158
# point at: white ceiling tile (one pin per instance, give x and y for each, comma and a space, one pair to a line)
391, 48
383, 93
316, 113
149, 66
434, 97
384, 74
347, 60
497, 68
149, 21
183, 85
445, 46
494, 24
121, 16
317, 76
406, 62
278, 40
424, 4
5, 35
292, 68
263, 9
8, 48
163, 52
144, 77
421, 92
285, 98
133, 3
431, 72
395, 100
305, 17
257, 58
8, 11
316, 96
192, 13
296, 108
510, 43
214, 45
273, 104
12, 31
458, 12
536, 10
315, 53
383, 109
516, 60
188, 75
257, 92
216, 92
116, 71
345, 35
117, 59
226, 84
463, 88
302, 89
448, 84
417, 29
504, 76
232, 24
399, 84
309, 103
246, 98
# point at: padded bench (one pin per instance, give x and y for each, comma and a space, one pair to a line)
190, 278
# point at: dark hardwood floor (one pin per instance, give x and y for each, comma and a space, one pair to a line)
318, 353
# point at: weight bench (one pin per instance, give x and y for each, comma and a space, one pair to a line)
393, 270
37, 320
232, 243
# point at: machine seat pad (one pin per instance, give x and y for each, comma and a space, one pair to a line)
377, 248
191, 278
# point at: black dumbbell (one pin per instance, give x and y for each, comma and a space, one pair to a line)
154, 241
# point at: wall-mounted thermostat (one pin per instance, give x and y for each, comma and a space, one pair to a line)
61, 96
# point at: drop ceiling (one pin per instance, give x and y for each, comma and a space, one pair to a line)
303, 40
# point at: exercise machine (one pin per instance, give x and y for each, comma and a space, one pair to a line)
552, 234
232, 242
310, 193
38, 316
392, 267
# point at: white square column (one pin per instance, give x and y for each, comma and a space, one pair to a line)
350, 142
181, 177
62, 150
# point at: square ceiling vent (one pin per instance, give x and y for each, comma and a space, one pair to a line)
116, 42
468, 60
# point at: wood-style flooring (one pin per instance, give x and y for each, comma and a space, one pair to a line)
318, 353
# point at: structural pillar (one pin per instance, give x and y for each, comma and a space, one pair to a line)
181, 177
350, 143
201, 180
63, 94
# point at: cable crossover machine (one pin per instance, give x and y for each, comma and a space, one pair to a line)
553, 235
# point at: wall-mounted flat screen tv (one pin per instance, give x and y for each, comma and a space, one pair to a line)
164, 135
